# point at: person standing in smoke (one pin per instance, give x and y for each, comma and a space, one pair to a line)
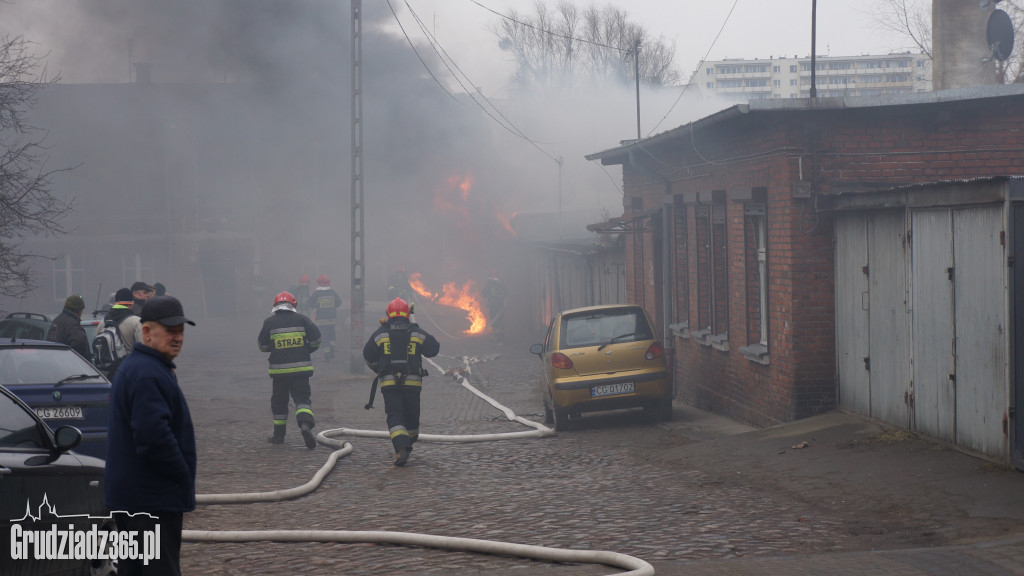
301, 292
395, 353
324, 304
494, 293
290, 337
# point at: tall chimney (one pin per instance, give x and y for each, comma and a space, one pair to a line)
960, 52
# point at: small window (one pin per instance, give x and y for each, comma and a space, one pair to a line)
67, 276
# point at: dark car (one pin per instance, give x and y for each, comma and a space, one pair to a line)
25, 325
602, 358
62, 387
43, 484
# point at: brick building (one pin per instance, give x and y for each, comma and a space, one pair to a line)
742, 221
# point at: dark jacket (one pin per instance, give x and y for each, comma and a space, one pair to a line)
289, 337
151, 445
67, 329
324, 302
397, 348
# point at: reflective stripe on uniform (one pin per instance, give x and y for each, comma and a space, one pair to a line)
410, 380
398, 431
291, 367
303, 409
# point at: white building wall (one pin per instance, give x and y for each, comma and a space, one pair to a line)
743, 80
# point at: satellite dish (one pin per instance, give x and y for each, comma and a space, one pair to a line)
999, 35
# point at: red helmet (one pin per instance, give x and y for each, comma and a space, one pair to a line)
398, 307
323, 280
304, 280
284, 297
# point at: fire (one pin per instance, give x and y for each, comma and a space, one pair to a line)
455, 196
508, 222
464, 297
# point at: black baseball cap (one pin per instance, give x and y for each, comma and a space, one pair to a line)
142, 286
166, 310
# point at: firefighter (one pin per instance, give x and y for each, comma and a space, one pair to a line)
324, 304
290, 337
301, 292
394, 352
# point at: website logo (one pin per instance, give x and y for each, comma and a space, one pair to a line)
47, 535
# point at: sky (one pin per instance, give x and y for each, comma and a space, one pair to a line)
755, 29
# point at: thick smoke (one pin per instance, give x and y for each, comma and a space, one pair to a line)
255, 136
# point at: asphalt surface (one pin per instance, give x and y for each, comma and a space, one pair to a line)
835, 494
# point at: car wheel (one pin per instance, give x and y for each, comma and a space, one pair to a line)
106, 567
561, 419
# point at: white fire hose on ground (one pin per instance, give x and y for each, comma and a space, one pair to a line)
636, 566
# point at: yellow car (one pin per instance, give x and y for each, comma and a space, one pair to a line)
602, 358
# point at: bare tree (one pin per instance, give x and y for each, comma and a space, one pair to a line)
566, 47
27, 206
912, 19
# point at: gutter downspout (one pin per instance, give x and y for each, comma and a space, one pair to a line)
666, 248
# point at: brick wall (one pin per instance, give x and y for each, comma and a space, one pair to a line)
838, 151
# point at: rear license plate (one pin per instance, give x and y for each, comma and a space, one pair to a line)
60, 413
612, 389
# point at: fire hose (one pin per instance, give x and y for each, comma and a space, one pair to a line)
636, 566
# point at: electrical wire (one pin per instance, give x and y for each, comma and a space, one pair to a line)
411, 45
692, 76
475, 95
549, 32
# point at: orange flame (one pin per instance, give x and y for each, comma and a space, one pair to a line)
507, 222
464, 297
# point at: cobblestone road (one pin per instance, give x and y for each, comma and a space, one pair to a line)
617, 482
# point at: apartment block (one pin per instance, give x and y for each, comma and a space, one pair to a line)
741, 80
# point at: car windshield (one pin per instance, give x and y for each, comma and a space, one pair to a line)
604, 326
28, 365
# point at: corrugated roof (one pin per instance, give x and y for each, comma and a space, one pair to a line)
810, 104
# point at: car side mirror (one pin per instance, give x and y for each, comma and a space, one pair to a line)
537, 349
67, 437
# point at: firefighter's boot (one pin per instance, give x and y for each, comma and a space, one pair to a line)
278, 436
307, 435
402, 456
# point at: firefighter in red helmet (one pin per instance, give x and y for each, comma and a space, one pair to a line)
290, 337
395, 353
323, 305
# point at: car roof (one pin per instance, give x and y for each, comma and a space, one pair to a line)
609, 307
22, 342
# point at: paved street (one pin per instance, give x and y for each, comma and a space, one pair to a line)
699, 495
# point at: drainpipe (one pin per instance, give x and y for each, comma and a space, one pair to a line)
666, 247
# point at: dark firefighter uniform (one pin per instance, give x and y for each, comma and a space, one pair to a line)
290, 337
324, 303
395, 352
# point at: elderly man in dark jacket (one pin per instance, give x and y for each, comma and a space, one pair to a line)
67, 327
151, 445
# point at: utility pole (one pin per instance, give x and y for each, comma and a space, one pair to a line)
814, 45
636, 74
358, 304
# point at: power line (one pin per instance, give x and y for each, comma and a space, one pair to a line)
407, 39
475, 95
692, 76
549, 32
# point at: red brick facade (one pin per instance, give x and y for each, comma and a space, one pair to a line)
782, 164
